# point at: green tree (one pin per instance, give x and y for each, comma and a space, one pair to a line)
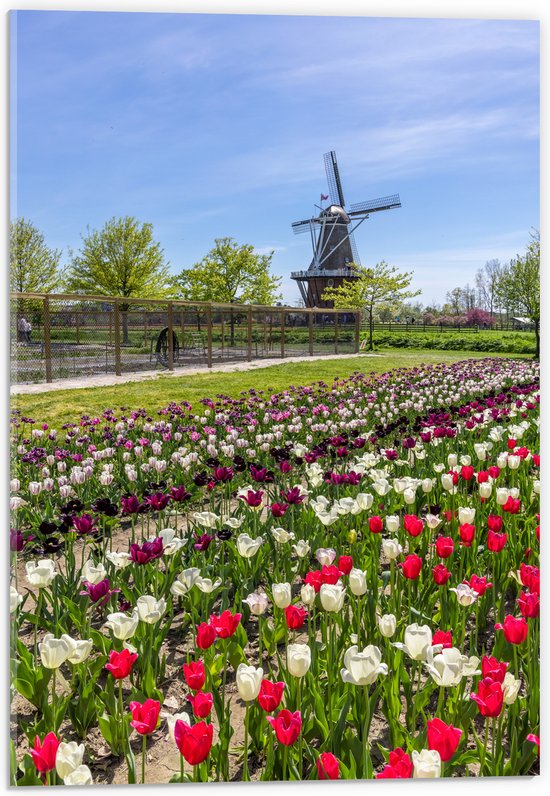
375, 288
34, 267
122, 259
519, 285
231, 273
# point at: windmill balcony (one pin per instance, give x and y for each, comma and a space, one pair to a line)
325, 273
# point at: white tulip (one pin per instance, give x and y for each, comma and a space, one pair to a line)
149, 609
258, 603
54, 651
426, 764
301, 548
307, 594
80, 649
392, 523
15, 599
171, 720
511, 687
465, 594
118, 560
68, 758
93, 573
281, 536
185, 581
364, 500
298, 659
466, 515
362, 668
325, 556
418, 640
207, 585
332, 597
357, 582
446, 667
387, 625
41, 573
122, 625
391, 548
247, 546
249, 681
80, 776
282, 595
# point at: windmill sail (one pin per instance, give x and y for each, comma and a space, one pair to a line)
333, 179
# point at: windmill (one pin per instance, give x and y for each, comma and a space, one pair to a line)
334, 248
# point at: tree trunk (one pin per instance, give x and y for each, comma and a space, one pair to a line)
371, 329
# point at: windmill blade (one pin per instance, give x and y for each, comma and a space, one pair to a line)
375, 205
299, 227
333, 179
354, 250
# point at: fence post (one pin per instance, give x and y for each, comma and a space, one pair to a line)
77, 327
249, 334
209, 335
335, 332
170, 336
310, 331
282, 334
145, 327
116, 321
47, 339
357, 331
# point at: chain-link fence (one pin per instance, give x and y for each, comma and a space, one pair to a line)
59, 336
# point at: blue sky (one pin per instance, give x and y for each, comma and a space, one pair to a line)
211, 126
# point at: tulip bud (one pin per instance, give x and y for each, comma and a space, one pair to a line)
308, 595
426, 764
387, 625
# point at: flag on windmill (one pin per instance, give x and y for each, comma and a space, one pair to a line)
323, 197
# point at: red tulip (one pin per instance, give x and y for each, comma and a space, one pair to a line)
330, 574
411, 566
494, 471
489, 698
443, 637
270, 695
287, 726
412, 524
120, 663
314, 579
467, 473
478, 584
194, 742
512, 506
145, 716
295, 617
225, 624
494, 523
206, 636
467, 533
529, 604
328, 766
515, 630
530, 577
376, 525
444, 546
496, 541
441, 574
444, 738
512, 443
534, 739
345, 564
399, 766
201, 703
44, 752
482, 477
493, 669
195, 675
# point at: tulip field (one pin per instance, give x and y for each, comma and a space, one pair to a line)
338, 581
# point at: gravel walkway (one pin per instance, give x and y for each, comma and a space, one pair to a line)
89, 382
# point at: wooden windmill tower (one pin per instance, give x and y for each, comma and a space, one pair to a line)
331, 230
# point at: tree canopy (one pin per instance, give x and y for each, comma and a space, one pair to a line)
231, 272
377, 287
34, 266
519, 285
121, 259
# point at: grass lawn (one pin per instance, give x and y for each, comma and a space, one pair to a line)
64, 406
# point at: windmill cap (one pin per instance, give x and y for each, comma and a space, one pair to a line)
336, 210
